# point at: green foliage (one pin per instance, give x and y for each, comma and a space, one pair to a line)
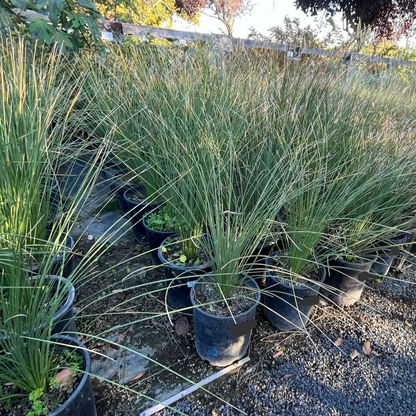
37, 407
161, 220
148, 12
69, 25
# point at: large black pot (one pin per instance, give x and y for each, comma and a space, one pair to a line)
155, 238
137, 210
342, 284
213, 338
283, 302
63, 319
178, 277
81, 401
385, 256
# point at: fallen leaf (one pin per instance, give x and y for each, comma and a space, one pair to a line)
137, 377
377, 280
182, 326
120, 294
354, 355
361, 319
287, 376
409, 324
278, 354
64, 378
338, 342
130, 310
366, 348
214, 413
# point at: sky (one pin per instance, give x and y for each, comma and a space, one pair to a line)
265, 14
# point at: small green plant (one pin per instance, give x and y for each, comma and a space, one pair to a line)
36, 404
161, 220
176, 254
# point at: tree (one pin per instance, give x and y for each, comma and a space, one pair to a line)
71, 24
149, 12
386, 18
226, 11
292, 33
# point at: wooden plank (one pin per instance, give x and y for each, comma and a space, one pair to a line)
163, 33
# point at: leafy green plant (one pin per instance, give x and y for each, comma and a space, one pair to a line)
160, 220
70, 24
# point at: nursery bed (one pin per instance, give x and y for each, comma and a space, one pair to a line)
311, 377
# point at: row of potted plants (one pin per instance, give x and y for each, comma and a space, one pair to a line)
296, 162
236, 165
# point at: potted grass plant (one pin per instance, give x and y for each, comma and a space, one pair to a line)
294, 274
379, 210
183, 256
32, 309
225, 300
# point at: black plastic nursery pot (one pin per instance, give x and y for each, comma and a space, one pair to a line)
385, 256
178, 277
67, 258
81, 401
137, 210
213, 338
255, 264
155, 238
283, 302
111, 172
63, 319
342, 283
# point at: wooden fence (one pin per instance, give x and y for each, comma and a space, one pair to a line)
293, 51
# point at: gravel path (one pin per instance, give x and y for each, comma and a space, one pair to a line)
314, 377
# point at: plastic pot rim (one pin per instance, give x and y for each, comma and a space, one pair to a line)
156, 231
69, 301
347, 263
254, 306
181, 268
144, 202
281, 280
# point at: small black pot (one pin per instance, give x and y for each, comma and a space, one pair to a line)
63, 319
66, 257
137, 210
113, 173
178, 292
342, 285
81, 401
255, 264
155, 239
213, 338
385, 257
283, 302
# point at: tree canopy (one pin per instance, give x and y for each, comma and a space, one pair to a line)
71, 24
386, 18
226, 11
149, 12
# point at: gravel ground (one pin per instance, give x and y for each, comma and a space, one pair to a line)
315, 377
312, 377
